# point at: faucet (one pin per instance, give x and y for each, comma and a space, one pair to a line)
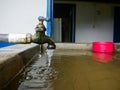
39, 37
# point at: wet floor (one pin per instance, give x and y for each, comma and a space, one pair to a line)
70, 70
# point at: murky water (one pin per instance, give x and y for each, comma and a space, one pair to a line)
70, 70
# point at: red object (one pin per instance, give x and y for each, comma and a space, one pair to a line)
103, 57
103, 46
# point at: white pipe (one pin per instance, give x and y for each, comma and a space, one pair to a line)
19, 38
16, 38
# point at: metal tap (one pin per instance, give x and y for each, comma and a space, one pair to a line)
39, 37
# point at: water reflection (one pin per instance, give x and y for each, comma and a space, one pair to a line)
103, 57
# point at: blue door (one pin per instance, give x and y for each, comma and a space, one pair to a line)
50, 15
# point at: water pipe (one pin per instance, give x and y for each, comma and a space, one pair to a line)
39, 37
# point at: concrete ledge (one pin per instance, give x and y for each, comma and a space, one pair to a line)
13, 59
81, 46
117, 47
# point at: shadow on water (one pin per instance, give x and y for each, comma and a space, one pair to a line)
70, 70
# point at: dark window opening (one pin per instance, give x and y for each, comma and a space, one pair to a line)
67, 13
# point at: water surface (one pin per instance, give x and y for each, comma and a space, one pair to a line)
70, 70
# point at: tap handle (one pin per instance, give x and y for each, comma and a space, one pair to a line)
41, 18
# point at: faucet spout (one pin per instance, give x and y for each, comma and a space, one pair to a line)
39, 37
51, 44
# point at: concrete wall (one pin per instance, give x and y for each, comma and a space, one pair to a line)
20, 16
14, 60
94, 22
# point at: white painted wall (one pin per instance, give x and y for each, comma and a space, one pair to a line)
94, 22
20, 16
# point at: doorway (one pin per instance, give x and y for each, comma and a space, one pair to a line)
66, 14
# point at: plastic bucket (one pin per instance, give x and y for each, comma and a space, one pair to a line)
103, 46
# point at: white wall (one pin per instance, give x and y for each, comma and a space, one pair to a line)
94, 22
20, 16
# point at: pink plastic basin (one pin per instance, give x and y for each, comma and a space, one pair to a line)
103, 46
